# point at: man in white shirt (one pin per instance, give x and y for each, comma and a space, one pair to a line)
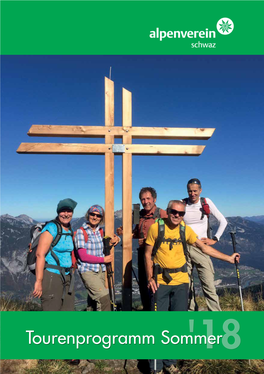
197, 210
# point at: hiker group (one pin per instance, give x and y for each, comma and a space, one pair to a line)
171, 243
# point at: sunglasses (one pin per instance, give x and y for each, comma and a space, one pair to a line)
95, 215
174, 212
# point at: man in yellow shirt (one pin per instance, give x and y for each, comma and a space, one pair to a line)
169, 281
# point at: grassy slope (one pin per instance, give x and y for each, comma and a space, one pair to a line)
229, 302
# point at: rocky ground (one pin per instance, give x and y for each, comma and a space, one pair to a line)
129, 367
85, 366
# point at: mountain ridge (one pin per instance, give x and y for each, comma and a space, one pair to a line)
15, 239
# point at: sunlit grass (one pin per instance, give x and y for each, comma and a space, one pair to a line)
8, 304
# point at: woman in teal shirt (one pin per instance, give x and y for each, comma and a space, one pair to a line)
53, 284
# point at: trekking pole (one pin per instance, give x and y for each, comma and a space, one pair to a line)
155, 273
135, 275
136, 214
110, 278
233, 236
135, 221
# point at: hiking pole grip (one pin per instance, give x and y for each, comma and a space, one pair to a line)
107, 245
233, 237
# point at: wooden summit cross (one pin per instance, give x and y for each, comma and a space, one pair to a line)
109, 149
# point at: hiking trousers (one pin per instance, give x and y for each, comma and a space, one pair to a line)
95, 284
52, 291
203, 263
173, 298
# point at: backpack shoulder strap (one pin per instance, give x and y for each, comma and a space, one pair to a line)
71, 233
59, 233
161, 231
202, 203
101, 232
205, 206
55, 241
183, 239
185, 200
156, 214
84, 234
206, 211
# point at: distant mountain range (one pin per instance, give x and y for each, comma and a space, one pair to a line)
16, 279
22, 218
258, 219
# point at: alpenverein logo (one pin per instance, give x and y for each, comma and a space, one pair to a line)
225, 26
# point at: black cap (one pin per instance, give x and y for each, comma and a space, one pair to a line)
66, 204
194, 181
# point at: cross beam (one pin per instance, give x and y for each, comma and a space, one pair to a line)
126, 149
119, 132
101, 149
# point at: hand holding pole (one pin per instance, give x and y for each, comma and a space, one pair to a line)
233, 237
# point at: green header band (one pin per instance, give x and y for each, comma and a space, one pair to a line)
132, 28
132, 335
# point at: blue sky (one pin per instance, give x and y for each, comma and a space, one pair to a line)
224, 92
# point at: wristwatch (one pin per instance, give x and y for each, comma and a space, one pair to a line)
215, 238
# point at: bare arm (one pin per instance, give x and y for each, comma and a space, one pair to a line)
115, 240
45, 241
215, 253
208, 241
149, 268
119, 231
